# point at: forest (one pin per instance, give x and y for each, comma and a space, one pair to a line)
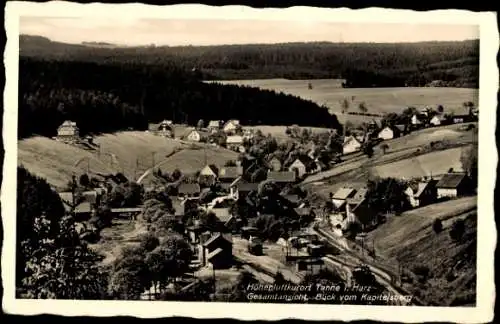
108, 97
377, 65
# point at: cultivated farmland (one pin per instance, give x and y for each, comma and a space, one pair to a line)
378, 100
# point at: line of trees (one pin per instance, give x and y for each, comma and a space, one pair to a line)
117, 96
377, 65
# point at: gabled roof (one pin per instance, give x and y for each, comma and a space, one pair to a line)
400, 127
234, 139
244, 186
295, 199
344, 193
281, 176
214, 123
423, 185
214, 253
351, 139
188, 188
304, 211
218, 236
359, 196
211, 167
232, 121
306, 160
203, 134
222, 214
451, 180
230, 172
68, 123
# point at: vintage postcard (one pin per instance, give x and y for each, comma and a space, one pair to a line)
210, 162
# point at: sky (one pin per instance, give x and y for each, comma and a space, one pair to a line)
174, 32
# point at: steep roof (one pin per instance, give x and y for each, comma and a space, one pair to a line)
281, 176
295, 199
214, 253
351, 139
451, 180
222, 214
218, 236
423, 185
188, 188
211, 167
344, 193
244, 186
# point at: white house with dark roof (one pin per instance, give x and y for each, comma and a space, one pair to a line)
351, 144
421, 193
230, 126
453, 185
68, 131
388, 133
214, 126
196, 136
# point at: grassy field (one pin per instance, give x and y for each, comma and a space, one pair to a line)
129, 152
410, 239
377, 100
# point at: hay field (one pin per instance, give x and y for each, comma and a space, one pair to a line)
378, 100
129, 152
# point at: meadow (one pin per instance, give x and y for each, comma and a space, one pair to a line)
131, 153
329, 92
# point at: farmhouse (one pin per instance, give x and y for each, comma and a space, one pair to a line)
437, 120
224, 217
452, 185
189, 190
340, 197
416, 120
281, 176
218, 251
388, 133
82, 206
208, 175
231, 126
351, 144
214, 126
403, 129
234, 142
421, 193
302, 165
68, 132
359, 212
241, 188
197, 136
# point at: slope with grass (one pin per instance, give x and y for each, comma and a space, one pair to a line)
409, 240
131, 153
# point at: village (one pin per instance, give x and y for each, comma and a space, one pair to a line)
252, 211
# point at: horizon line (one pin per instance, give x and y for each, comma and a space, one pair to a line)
153, 45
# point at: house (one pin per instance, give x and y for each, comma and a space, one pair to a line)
188, 190
453, 185
217, 250
403, 129
340, 197
165, 128
421, 193
302, 165
458, 119
415, 120
241, 188
360, 213
229, 174
388, 133
68, 131
224, 217
351, 144
234, 142
208, 175
214, 126
305, 213
438, 120
248, 133
82, 206
231, 126
275, 164
281, 176
197, 136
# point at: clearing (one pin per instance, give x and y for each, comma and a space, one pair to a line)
329, 92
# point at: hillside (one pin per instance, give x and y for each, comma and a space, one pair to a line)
129, 152
410, 239
414, 64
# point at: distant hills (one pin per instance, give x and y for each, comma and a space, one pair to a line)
362, 64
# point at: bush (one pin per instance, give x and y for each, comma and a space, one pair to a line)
437, 226
457, 230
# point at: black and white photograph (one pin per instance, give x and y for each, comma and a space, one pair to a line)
310, 160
